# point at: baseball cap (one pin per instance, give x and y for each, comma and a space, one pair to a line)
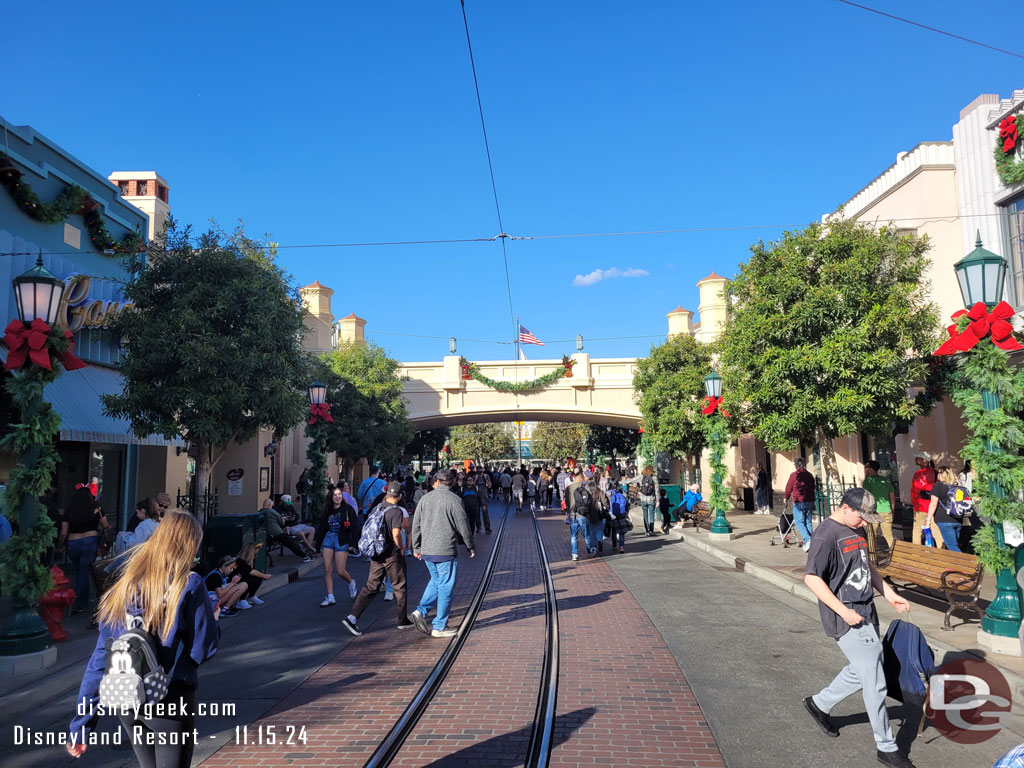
443, 476
923, 455
394, 488
286, 499
863, 502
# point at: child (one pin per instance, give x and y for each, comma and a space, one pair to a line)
228, 593
664, 506
620, 517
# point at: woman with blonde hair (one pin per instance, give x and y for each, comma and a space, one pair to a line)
156, 584
938, 509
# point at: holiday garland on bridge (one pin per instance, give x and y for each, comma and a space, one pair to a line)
1009, 167
72, 199
471, 371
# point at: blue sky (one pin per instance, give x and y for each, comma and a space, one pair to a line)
353, 122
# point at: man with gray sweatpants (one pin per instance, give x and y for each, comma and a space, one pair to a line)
841, 576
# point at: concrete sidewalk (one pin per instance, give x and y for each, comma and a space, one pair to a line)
749, 551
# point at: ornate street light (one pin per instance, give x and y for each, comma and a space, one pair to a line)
720, 527
451, 345
713, 385
38, 293
981, 275
317, 393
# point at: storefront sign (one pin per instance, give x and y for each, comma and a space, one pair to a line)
1012, 535
235, 481
79, 310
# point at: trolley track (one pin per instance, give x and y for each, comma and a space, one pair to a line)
538, 749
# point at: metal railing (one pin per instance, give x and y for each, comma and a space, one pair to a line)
201, 507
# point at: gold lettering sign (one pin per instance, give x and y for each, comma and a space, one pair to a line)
77, 311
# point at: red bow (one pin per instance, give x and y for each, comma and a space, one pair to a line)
68, 359
322, 411
1008, 132
983, 323
712, 404
26, 343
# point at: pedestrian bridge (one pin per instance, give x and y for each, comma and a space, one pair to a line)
599, 392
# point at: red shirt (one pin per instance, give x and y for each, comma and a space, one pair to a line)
800, 486
924, 479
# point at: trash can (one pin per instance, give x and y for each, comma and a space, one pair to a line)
748, 499
674, 495
227, 534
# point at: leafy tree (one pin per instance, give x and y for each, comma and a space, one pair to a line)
558, 441
482, 442
427, 442
365, 394
611, 441
829, 328
213, 350
670, 389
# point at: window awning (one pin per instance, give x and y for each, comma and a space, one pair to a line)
75, 395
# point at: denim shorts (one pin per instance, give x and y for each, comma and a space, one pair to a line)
331, 542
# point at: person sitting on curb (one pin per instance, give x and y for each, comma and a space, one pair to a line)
252, 578
226, 587
841, 576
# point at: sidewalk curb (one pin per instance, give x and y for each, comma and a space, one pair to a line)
67, 679
794, 587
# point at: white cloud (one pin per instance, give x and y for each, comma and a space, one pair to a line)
606, 274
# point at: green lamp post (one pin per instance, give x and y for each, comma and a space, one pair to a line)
981, 275
718, 432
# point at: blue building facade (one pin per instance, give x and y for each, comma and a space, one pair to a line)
91, 445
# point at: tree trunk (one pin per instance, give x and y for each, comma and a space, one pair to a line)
204, 471
828, 458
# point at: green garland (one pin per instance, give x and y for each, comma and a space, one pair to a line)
716, 430
72, 199
317, 434
523, 386
1010, 170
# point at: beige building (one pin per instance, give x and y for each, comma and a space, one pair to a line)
149, 192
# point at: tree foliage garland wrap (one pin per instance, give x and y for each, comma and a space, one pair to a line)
23, 575
995, 444
523, 386
716, 430
317, 434
72, 199
1008, 166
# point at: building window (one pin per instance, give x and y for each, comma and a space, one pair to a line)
123, 186
142, 187
161, 192
1014, 218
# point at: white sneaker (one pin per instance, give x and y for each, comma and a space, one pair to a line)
807, 545
255, 600
352, 591
389, 595
329, 600
243, 605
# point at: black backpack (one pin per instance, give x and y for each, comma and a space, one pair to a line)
582, 501
133, 677
647, 485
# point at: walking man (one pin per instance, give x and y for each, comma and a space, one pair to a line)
389, 562
841, 576
436, 527
370, 489
801, 487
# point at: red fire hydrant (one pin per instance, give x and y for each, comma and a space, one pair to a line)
53, 606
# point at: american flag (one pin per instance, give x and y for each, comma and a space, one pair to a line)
525, 337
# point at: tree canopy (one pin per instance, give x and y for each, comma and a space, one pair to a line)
828, 329
611, 441
213, 349
427, 443
670, 389
482, 442
365, 394
558, 441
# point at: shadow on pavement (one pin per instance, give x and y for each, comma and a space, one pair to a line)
508, 750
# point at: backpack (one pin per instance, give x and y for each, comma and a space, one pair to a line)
907, 660
647, 485
618, 503
133, 677
958, 502
373, 540
582, 501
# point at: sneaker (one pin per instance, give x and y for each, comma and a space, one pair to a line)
822, 719
895, 759
405, 624
575, 557
592, 553
420, 621
307, 559
243, 605
487, 531
444, 632
351, 626
807, 546
389, 595
622, 550
328, 601
256, 601
229, 612
352, 591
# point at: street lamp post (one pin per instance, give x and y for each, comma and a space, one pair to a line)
981, 276
316, 428
718, 433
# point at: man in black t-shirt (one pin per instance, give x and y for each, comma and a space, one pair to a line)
390, 563
841, 576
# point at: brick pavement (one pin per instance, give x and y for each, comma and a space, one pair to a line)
622, 699
349, 704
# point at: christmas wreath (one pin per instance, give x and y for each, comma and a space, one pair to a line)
1009, 167
470, 371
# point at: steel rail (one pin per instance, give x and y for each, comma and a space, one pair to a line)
539, 750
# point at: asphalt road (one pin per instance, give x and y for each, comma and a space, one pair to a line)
751, 653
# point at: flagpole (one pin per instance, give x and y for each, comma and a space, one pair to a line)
519, 425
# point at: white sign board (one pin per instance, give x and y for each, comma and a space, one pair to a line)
1012, 535
235, 482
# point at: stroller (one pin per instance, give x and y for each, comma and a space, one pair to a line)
786, 530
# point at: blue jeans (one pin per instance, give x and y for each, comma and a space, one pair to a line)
648, 510
618, 537
577, 525
439, 590
803, 517
83, 554
762, 498
951, 535
595, 533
